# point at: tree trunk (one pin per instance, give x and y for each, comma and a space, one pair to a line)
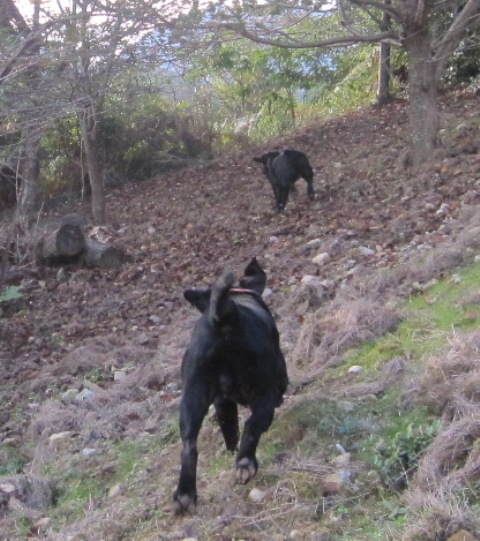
424, 113
31, 172
60, 244
383, 95
90, 145
104, 256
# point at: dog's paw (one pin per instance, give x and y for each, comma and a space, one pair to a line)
183, 503
246, 470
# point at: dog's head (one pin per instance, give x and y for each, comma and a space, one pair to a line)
254, 278
198, 298
265, 159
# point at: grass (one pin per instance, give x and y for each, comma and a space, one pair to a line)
384, 434
429, 320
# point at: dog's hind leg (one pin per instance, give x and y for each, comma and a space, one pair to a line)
259, 421
227, 415
193, 409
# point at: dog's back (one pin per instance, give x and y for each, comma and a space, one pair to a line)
283, 169
236, 336
248, 339
300, 163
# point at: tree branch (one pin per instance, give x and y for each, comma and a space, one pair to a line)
452, 37
338, 41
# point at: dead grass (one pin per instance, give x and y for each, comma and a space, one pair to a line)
345, 324
448, 475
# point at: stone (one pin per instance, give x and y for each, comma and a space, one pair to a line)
85, 394
119, 375
308, 279
59, 436
332, 484
321, 259
355, 369
256, 495
115, 490
314, 243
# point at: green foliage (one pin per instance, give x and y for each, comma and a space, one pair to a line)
61, 158
11, 293
14, 462
430, 318
352, 81
396, 455
138, 138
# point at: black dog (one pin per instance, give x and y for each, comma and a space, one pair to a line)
283, 169
234, 357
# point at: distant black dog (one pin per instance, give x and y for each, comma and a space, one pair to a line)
234, 357
283, 169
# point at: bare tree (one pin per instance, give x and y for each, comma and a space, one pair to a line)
413, 27
101, 40
80, 48
21, 60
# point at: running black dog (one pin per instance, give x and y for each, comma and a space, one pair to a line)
283, 169
234, 357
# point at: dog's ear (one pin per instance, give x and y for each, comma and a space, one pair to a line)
254, 277
199, 298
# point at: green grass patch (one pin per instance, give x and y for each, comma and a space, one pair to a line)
13, 462
429, 320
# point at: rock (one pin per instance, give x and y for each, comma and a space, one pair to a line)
25, 491
256, 495
8, 488
59, 436
267, 292
308, 279
119, 375
443, 210
85, 394
364, 250
355, 369
332, 484
314, 243
88, 451
115, 490
321, 259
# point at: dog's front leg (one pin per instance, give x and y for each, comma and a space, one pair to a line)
259, 421
310, 190
192, 413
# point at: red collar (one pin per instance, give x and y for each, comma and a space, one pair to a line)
241, 290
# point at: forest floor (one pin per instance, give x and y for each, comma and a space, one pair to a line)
90, 359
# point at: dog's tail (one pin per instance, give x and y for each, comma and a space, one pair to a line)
220, 304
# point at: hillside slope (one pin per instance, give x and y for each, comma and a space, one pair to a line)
89, 360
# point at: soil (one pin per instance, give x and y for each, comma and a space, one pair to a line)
77, 328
